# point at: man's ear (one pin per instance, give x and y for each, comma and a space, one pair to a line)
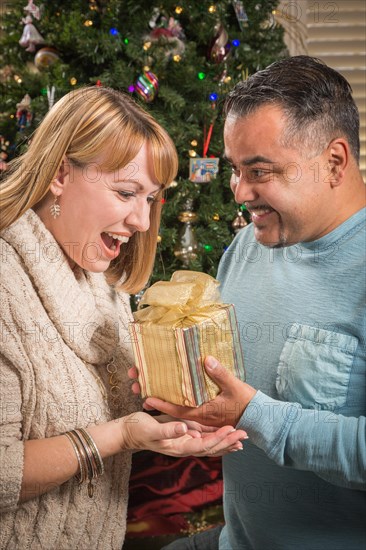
59, 182
338, 154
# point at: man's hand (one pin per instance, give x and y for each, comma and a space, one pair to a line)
225, 409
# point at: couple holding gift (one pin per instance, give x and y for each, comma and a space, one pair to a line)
80, 216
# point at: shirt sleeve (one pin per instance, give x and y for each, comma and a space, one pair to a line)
331, 445
11, 444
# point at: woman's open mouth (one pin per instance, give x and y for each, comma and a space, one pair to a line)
112, 242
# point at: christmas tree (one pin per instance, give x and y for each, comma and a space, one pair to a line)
178, 59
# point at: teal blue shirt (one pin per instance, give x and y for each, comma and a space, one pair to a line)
299, 484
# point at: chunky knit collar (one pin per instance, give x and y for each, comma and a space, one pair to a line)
80, 305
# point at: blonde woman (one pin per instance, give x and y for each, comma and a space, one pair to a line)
79, 224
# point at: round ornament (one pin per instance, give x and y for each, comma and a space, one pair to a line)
45, 57
147, 86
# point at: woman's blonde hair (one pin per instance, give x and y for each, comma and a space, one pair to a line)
88, 124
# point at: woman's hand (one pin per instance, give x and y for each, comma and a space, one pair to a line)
140, 431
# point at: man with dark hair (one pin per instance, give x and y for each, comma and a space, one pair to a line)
297, 278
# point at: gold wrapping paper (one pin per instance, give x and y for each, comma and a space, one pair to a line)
184, 323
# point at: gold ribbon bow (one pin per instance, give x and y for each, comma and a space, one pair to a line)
186, 299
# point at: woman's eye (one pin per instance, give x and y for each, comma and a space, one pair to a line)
126, 194
235, 171
151, 199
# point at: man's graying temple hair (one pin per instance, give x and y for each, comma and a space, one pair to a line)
316, 99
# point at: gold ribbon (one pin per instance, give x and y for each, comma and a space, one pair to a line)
186, 299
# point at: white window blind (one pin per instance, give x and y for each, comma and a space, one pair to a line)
336, 33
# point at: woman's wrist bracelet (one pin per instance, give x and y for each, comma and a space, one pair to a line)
91, 465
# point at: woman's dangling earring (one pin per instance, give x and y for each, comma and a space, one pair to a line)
55, 208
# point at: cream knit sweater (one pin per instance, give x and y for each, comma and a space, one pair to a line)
59, 329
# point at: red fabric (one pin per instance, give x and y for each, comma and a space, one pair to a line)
163, 489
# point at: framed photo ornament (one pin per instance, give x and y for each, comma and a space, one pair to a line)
202, 170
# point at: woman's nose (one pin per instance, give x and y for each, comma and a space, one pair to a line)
139, 216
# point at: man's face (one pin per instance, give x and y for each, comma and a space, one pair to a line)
287, 192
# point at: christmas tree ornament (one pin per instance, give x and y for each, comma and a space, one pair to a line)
166, 33
223, 78
240, 14
147, 86
220, 46
45, 57
154, 18
24, 114
270, 22
239, 222
187, 248
30, 37
216, 217
33, 10
50, 96
73, 81
202, 170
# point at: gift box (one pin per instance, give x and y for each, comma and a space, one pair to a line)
184, 322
